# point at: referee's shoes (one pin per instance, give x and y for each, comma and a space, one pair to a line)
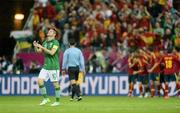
77, 99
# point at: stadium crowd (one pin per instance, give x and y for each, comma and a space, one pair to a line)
109, 30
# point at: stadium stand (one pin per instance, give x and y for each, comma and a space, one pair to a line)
106, 30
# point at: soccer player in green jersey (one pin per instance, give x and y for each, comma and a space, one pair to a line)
50, 70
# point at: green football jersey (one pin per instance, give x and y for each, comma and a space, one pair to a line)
51, 62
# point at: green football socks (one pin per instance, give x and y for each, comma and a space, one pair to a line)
43, 91
57, 94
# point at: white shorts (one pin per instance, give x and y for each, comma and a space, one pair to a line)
46, 74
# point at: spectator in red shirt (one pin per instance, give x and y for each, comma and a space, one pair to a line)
50, 11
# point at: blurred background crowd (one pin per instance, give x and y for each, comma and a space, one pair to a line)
106, 31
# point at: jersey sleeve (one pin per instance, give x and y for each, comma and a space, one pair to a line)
55, 45
43, 44
176, 59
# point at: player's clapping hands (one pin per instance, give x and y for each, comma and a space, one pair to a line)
36, 44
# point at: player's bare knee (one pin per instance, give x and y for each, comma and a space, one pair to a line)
40, 82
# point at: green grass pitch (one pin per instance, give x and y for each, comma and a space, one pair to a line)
90, 104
